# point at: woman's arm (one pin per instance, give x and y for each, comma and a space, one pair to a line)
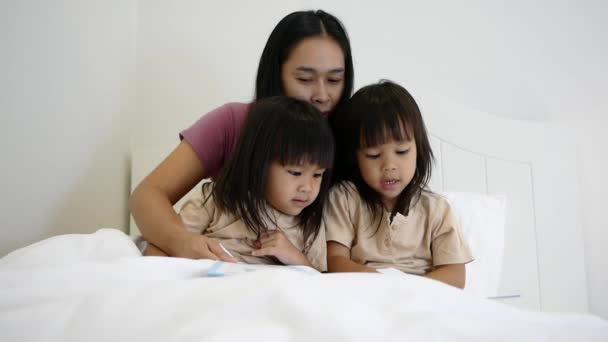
151, 205
338, 259
152, 250
453, 274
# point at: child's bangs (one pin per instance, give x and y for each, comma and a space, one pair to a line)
386, 125
309, 142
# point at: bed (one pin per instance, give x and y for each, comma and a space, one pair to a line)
513, 185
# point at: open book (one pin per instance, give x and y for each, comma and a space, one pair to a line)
222, 268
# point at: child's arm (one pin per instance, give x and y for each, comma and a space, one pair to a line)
453, 274
338, 259
449, 249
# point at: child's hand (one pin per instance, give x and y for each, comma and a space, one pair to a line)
276, 244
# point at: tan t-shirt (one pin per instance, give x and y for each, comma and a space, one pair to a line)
204, 217
428, 236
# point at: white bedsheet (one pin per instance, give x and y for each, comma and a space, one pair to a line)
97, 287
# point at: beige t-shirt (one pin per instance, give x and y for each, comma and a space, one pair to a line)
428, 236
204, 217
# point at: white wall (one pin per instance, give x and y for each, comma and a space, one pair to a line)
541, 60
64, 71
66, 68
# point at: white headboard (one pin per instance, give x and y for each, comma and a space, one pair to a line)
533, 164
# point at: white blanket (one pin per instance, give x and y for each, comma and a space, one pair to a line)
97, 287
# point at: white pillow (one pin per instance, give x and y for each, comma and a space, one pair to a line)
482, 222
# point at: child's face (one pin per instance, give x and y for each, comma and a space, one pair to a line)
388, 168
291, 188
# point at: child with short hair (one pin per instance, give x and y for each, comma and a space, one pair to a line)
266, 205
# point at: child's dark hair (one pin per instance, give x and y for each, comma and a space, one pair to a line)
280, 129
290, 31
375, 115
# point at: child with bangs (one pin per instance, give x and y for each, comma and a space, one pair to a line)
382, 215
266, 205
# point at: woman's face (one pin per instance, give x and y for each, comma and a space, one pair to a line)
314, 72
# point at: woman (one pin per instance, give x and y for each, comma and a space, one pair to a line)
307, 57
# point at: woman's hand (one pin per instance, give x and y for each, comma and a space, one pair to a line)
275, 243
196, 246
